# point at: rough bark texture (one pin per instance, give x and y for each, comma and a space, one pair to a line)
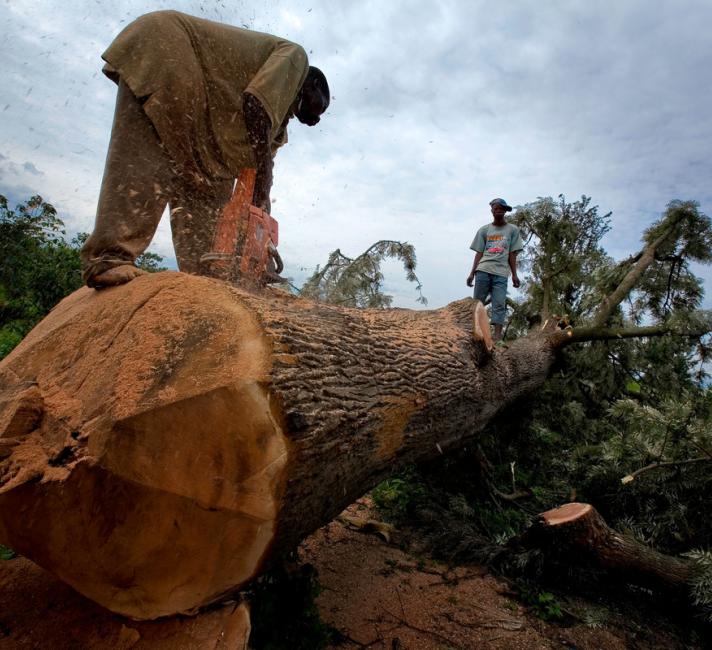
163, 439
576, 534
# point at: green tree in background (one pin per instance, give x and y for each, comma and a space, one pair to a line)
358, 282
563, 249
38, 266
669, 287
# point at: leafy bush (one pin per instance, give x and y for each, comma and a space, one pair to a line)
543, 604
399, 497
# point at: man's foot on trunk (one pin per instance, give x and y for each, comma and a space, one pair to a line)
114, 276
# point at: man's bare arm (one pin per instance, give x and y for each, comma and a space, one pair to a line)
471, 277
259, 128
513, 266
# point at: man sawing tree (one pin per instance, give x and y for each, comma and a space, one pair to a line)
198, 102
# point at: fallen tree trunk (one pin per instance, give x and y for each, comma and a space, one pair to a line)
162, 440
576, 535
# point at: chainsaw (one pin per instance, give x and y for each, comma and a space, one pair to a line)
244, 248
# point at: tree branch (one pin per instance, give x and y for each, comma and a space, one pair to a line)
643, 260
531, 228
670, 463
599, 333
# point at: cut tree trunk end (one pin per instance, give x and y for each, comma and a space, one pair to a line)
164, 440
576, 534
481, 331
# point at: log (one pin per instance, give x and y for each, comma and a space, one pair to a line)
576, 534
40, 612
163, 440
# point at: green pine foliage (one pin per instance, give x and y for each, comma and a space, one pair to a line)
701, 585
670, 286
612, 408
562, 250
358, 282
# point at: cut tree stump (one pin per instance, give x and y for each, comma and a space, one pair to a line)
163, 440
576, 534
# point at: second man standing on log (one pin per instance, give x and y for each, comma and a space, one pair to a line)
197, 102
496, 246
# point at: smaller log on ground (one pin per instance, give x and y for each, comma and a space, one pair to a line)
576, 533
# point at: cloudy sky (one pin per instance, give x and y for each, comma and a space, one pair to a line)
437, 108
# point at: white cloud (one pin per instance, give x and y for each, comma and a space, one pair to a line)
291, 19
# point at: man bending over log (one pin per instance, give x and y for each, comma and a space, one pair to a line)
197, 102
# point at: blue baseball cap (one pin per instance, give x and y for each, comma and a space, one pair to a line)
503, 203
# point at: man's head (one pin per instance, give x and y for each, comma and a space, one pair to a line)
499, 208
313, 98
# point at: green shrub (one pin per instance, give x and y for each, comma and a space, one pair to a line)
543, 604
399, 496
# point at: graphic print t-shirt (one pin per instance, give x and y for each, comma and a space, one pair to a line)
496, 243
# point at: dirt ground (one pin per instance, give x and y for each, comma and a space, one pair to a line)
373, 593
378, 596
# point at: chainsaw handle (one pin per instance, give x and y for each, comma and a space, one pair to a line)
274, 254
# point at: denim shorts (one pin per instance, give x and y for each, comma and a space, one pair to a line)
496, 286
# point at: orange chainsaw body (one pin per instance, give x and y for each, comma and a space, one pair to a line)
243, 234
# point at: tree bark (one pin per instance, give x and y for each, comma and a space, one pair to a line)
163, 440
576, 534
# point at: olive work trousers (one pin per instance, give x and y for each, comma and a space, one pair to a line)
140, 179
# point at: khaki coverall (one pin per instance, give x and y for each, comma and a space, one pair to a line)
179, 135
